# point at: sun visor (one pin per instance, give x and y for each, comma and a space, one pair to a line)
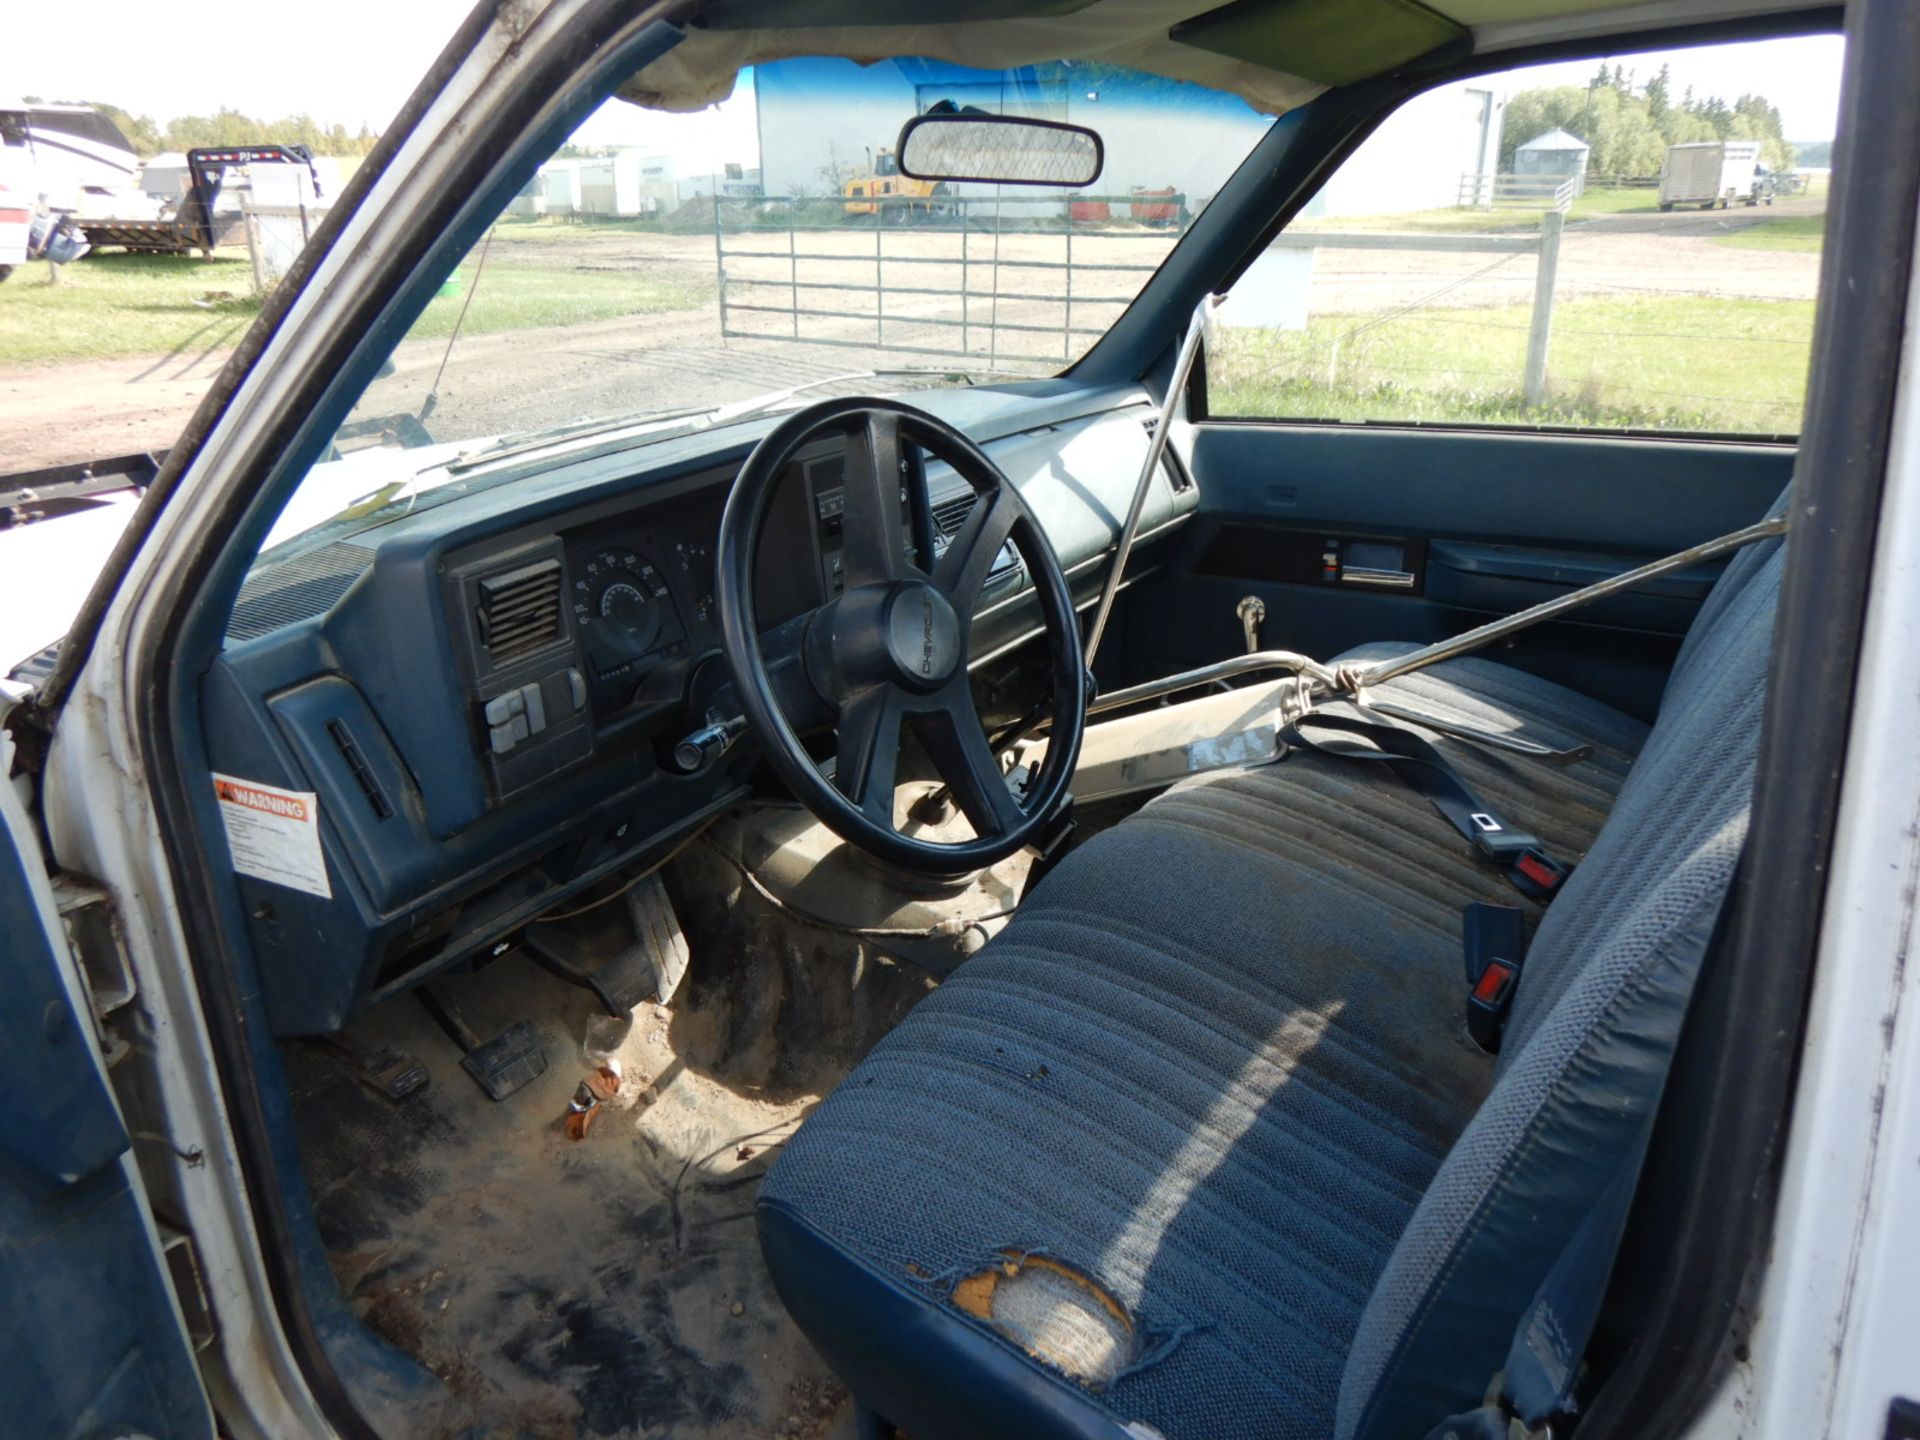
1331, 43
1129, 34
849, 14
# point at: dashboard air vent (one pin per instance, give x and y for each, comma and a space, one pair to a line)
520, 610
950, 515
1178, 480
362, 772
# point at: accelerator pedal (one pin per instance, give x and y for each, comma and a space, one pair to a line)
623, 964
498, 1066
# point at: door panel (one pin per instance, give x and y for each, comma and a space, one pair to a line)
1351, 534
93, 1340
1575, 491
1501, 579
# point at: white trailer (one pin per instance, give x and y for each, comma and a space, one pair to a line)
1712, 172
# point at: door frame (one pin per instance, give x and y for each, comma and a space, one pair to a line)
130, 724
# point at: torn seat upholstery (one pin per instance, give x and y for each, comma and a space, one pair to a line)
1199, 1146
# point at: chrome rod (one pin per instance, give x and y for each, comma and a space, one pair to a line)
1353, 679
1156, 447
1229, 669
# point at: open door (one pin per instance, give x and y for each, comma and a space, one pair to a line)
92, 1334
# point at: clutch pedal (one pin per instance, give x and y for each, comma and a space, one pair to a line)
394, 1074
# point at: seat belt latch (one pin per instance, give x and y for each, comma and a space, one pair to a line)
1534, 873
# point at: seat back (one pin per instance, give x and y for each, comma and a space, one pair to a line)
1593, 1031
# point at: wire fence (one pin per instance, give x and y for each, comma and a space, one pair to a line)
1426, 355
1484, 190
1029, 282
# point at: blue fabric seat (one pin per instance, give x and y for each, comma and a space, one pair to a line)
1199, 1145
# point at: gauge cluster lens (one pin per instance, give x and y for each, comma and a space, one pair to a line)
622, 608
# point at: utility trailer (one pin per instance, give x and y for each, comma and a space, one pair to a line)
1713, 173
27, 496
196, 222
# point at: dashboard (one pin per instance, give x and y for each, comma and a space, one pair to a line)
606, 626
484, 696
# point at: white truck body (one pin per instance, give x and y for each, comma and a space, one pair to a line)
16, 215
1709, 173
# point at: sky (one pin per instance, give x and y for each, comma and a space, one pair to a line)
359, 62
348, 62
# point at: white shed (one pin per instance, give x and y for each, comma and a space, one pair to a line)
560, 186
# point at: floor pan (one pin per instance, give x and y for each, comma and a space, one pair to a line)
610, 1286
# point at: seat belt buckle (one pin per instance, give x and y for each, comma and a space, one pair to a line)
1489, 1001
1494, 942
1538, 875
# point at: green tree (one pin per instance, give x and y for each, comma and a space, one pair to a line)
1658, 101
140, 130
1628, 131
227, 126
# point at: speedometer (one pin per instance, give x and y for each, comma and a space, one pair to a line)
619, 603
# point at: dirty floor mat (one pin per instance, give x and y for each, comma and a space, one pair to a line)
605, 1287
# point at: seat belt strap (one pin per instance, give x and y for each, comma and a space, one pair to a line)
1520, 856
1539, 1383
1536, 1387
1543, 1360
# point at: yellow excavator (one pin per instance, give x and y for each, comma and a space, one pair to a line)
883, 183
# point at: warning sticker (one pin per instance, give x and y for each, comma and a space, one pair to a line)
274, 834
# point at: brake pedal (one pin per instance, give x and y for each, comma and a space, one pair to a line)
499, 1066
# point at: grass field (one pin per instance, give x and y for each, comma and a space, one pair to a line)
517, 295
117, 304
1506, 218
1788, 232
1680, 363
113, 305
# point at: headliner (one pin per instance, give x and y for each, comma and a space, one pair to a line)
1132, 33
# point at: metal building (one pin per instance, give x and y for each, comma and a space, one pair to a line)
1554, 153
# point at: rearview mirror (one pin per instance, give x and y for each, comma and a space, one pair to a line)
949, 144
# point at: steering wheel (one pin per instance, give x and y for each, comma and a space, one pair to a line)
891, 649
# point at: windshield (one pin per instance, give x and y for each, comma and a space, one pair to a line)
666, 271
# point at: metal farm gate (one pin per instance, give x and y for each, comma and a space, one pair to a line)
1027, 280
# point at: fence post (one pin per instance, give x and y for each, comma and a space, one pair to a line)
251, 223
1066, 320
720, 272
1534, 385
966, 296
